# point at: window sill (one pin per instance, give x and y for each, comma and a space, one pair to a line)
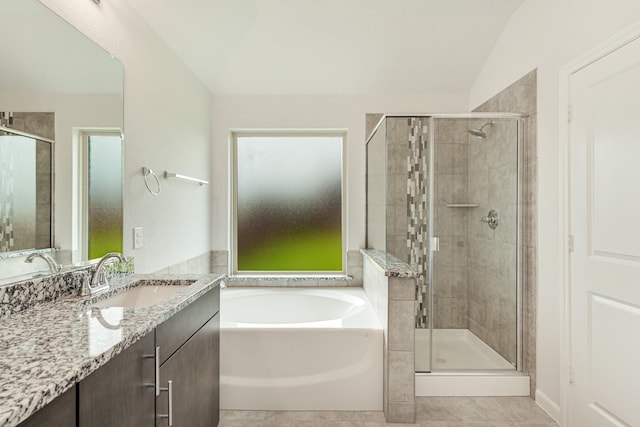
336, 280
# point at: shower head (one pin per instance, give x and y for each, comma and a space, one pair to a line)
479, 133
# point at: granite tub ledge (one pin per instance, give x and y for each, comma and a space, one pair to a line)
48, 348
303, 281
390, 265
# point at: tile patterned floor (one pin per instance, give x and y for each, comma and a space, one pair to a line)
430, 412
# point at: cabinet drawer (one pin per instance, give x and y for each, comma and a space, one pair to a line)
175, 331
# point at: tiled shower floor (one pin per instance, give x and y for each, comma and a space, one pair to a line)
430, 412
456, 349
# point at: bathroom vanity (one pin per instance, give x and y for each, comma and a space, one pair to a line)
109, 361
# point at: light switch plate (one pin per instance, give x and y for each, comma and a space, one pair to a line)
138, 239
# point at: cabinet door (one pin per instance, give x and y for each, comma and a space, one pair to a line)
59, 413
121, 393
194, 371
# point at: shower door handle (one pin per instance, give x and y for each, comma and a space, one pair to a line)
435, 244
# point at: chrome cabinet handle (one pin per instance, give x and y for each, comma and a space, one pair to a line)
157, 371
153, 384
169, 390
170, 386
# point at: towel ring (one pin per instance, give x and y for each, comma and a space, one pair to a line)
147, 173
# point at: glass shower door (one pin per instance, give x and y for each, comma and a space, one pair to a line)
474, 290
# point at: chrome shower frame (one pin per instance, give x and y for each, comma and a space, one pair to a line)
520, 297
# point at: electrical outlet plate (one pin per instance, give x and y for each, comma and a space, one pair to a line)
138, 239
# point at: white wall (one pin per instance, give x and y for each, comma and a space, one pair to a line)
71, 111
548, 34
311, 112
167, 121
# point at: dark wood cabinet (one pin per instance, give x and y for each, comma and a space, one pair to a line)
175, 331
61, 412
121, 393
193, 371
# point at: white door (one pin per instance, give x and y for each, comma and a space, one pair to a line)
605, 223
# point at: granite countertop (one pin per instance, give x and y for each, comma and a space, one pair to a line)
46, 349
392, 266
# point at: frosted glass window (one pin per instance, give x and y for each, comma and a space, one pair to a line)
104, 196
288, 203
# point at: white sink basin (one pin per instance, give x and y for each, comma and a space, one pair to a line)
140, 296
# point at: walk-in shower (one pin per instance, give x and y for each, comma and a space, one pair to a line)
444, 194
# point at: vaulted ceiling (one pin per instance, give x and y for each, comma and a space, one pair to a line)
331, 46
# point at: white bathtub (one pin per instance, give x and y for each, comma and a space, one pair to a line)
299, 349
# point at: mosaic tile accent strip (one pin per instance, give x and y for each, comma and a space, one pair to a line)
6, 196
418, 213
6, 118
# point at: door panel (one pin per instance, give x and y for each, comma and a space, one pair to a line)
615, 150
605, 222
611, 321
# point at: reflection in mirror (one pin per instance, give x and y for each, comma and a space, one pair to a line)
57, 84
25, 191
102, 193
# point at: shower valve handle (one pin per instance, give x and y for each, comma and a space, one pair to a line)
491, 219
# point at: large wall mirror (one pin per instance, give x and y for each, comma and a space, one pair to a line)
61, 145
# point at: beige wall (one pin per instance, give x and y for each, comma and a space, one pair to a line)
167, 122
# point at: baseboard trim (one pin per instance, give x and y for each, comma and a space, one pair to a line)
549, 406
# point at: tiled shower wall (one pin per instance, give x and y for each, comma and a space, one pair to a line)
521, 97
391, 291
33, 232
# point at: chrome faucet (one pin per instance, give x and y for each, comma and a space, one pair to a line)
99, 281
54, 267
